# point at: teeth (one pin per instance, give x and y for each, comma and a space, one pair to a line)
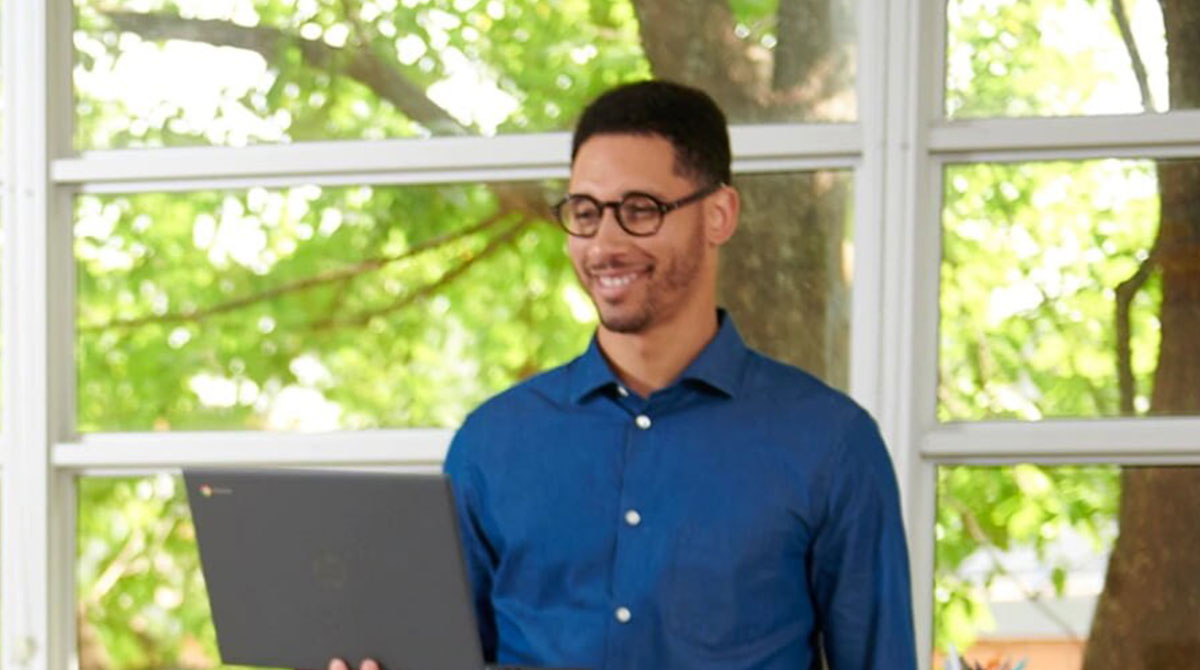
615, 282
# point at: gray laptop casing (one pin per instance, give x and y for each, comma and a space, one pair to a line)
303, 566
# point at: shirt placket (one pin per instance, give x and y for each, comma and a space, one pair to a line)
633, 523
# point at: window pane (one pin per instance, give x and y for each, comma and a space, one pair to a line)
1054, 58
318, 309
155, 73
315, 309
141, 597
1052, 565
1037, 260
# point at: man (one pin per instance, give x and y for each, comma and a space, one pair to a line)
671, 498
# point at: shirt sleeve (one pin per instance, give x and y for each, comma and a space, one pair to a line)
480, 558
859, 570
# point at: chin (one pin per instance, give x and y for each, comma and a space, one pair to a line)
626, 324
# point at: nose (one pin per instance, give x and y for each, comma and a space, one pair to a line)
609, 226
609, 242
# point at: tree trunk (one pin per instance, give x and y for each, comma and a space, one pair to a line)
783, 277
1148, 616
693, 42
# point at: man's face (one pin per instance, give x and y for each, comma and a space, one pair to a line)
638, 282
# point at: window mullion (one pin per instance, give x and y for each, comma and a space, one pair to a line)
1144, 439
396, 447
37, 616
442, 159
1067, 136
911, 248
866, 345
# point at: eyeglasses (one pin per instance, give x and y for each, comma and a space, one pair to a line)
639, 214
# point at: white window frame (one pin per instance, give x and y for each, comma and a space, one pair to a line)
897, 151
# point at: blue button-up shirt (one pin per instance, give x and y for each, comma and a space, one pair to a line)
742, 517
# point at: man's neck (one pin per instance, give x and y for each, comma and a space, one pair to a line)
648, 361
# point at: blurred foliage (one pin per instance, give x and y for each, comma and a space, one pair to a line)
533, 64
314, 308
359, 307
1050, 58
989, 511
141, 594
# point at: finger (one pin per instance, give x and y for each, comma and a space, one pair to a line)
369, 664
338, 664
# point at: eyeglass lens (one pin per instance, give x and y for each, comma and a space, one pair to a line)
638, 214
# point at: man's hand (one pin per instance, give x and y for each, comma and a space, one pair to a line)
367, 664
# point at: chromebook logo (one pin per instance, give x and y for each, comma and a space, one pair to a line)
206, 491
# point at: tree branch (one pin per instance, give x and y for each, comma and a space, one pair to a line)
361, 64
1135, 56
1126, 292
339, 275
365, 317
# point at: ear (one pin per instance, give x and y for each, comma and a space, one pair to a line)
721, 215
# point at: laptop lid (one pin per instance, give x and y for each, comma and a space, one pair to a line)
303, 566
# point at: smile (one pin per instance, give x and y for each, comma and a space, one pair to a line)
617, 281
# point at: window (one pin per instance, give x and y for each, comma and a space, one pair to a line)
1062, 417
312, 308
314, 233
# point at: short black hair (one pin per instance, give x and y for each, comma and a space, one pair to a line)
686, 117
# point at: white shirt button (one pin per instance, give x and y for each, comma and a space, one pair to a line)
622, 391
632, 517
623, 614
642, 421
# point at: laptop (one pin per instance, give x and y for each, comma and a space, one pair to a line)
303, 566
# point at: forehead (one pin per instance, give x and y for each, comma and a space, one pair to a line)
608, 165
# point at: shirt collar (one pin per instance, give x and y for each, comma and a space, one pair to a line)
718, 366
722, 361
590, 373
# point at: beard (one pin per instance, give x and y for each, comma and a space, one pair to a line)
665, 292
